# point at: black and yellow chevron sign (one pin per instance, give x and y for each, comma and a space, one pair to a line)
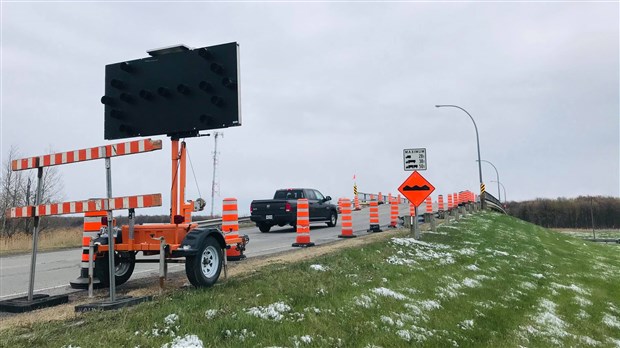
482, 189
355, 190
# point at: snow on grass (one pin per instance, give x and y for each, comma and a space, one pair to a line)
527, 285
582, 301
240, 335
395, 260
319, 268
388, 293
497, 252
537, 275
363, 301
272, 312
572, 287
548, 324
611, 321
466, 324
210, 313
472, 268
171, 319
471, 283
187, 341
467, 252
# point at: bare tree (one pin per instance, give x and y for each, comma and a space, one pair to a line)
18, 188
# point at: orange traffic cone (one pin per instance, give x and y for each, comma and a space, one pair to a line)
230, 227
393, 213
357, 203
374, 217
347, 222
303, 224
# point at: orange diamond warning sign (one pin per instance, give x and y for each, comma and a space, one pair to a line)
416, 188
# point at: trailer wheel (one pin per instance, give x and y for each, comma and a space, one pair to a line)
124, 262
203, 269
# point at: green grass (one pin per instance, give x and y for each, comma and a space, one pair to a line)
582, 233
487, 281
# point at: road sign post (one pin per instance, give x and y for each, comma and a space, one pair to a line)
416, 188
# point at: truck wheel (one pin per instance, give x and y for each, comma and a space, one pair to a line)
203, 269
124, 263
333, 218
264, 228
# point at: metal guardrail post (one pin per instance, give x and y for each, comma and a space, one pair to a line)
91, 254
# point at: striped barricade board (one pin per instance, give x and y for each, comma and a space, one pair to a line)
99, 152
115, 203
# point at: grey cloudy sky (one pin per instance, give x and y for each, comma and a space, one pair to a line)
332, 90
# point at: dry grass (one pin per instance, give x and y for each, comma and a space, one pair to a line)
48, 240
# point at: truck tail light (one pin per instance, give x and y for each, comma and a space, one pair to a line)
287, 207
251, 208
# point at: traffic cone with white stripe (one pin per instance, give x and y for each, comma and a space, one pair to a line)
374, 217
230, 227
393, 213
92, 226
303, 224
347, 222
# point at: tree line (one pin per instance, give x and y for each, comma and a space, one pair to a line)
577, 212
18, 188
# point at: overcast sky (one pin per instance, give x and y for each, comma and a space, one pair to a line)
332, 90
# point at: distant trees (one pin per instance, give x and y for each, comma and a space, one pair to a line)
18, 188
569, 212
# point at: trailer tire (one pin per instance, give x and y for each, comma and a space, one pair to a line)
125, 262
203, 269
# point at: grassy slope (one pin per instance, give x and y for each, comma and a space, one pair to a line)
488, 280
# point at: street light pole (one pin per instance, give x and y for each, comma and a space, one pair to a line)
482, 202
505, 200
499, 196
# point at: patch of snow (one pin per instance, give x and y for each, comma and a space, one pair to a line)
187, 341
528, 285
471, 283
572, 287
388, 293
467, 252
497, 252
430, 304
387, 320
171, 319
466, 324
319, 268
210, 313
583, 302
307, 339
589, 341
363, 301
611, 321
272, 312
473, 268
395, 260
537, 275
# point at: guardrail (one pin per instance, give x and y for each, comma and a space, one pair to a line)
494, 203
218, 222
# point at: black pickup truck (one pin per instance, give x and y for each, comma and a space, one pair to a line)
282, 209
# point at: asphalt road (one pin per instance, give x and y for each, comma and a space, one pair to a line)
54, 270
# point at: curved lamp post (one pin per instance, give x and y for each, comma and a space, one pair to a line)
482, 202
505, 200
499, 196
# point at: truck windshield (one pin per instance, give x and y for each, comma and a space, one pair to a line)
289, 194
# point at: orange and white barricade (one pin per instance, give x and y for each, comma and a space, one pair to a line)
347, 221
303, 224
356, 201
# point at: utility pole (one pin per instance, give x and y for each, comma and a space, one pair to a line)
213, 184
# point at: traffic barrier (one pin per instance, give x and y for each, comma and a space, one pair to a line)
357, 203
449, 201
380, 198
411, 209
347, 221
440, 205
303, 224
374, 217
230, 227
389, 199
429, 205
91, 228
393, 212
